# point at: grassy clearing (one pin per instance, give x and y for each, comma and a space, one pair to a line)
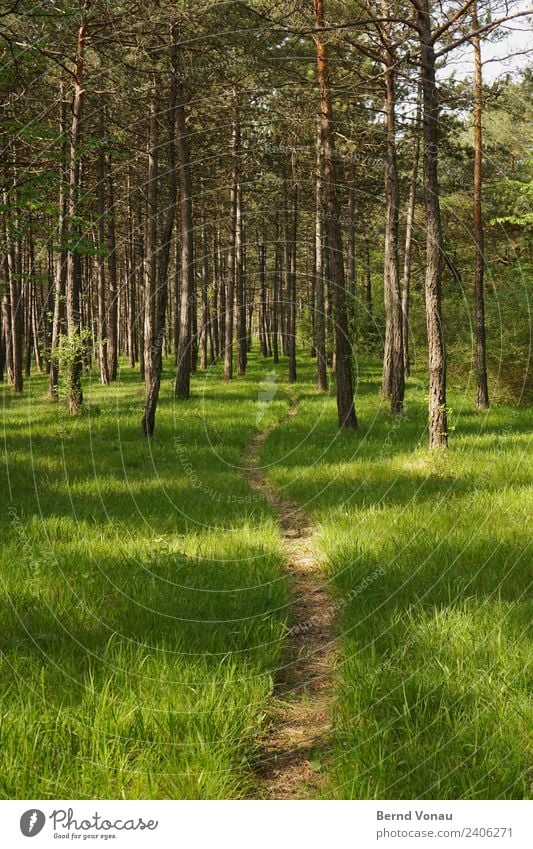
143, 600
427, 555
144, 603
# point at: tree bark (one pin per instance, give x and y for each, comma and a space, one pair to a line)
320, 306
343, 349
154, 364
205, 288
61, 256
74, 363
409, 225
482, 388
393, 367
291, 277
240, 290
182, 386
101, 288
150, 253
231, 266
437, 418
112, 322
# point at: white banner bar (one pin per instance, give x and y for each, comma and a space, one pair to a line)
267, 825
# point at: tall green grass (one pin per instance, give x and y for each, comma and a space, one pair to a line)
144, 602
428, 558
143, 597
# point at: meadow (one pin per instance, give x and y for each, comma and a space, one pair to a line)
146, 609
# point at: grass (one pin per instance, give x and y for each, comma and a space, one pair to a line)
143, 599
427, 558
144, 603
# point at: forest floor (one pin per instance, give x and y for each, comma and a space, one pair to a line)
150, 619
301, 717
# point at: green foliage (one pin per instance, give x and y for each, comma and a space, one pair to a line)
69, 351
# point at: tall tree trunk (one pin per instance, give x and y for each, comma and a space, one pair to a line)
74, 363
205, 287
101, 288
343, 349
482, 388
409, 225
292, 235
182, 386
14, 282
216, 286
263, 334
150, 251
351, 232
320, 304
112, 322
60, 270
154, 363
275, 303
393, 367
240, 289
231, 266
368, 289
437, 418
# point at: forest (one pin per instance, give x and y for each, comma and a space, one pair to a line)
265, 358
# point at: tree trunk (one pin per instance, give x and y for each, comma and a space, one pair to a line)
150, 253
215, 309
320, 305
205, 303
154, 363
61, 257
409, 225
437, 419
393, 367
482, 388
343, 349
275, 304
351, 233
240, 290
74, 363
101, 288
291, 277
112, 322
182, 386
263, 333
231, 267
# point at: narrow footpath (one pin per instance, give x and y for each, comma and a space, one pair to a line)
290, 762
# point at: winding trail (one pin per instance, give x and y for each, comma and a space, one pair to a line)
290, 760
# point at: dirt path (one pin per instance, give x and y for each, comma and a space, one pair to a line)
289, 766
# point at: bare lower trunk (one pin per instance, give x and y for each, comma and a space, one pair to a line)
409, 224
112, 323
231, 266
182, 386
482, 388
204, 330
320, 306
101, 288
150, 252
437, 419
343, 349
155, 361
263, 332
74, 362
393, 368
240, 290
275, 304
291, 279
